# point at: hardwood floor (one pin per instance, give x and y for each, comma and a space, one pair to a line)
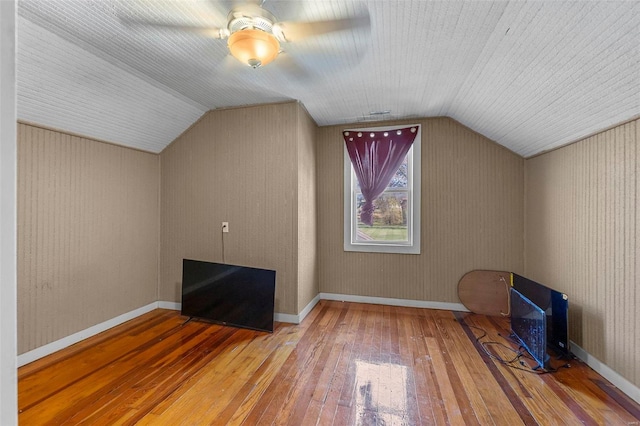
346, 364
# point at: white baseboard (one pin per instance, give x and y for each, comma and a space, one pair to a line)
174, 306
297, 319
631, 390
395, 302
303, 314
294, 319
52, 347
290, 318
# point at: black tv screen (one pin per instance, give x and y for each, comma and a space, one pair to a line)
528, 325
228, 294
556, 308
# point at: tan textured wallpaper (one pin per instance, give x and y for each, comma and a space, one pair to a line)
307, 211
87, 233
583, 238
241, 166
472, 217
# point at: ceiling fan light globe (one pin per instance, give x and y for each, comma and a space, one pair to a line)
253, 47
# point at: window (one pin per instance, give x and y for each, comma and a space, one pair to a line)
395, 221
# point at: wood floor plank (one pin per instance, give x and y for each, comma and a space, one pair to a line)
346, 364
322, 373
213, 388
262, 378
448, 385
330, 376
486, 397
96, 353
351, 406
404, 357
530, 389
418, 383
91, 389
192, 366
248, 370
497, 372
422, 333
133, 327
280, 392
293, 411
354, 327
260, 397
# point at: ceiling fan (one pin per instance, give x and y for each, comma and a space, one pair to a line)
254, 35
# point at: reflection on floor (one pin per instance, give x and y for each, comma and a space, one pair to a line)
381, 393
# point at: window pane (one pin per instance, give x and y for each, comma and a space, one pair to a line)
401, 179
389, 218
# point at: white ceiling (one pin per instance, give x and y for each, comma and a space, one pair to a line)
530, 75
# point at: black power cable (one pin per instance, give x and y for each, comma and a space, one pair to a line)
509, 363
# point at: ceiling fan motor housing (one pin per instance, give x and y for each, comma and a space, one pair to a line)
250, 16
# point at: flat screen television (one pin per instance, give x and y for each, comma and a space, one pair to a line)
231, 295
528, 325
556, 308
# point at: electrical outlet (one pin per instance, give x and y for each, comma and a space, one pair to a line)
225, 226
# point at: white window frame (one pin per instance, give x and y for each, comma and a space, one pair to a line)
413, 227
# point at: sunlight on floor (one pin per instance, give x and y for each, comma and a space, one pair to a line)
381, 393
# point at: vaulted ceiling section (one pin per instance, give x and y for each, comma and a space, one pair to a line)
530, 75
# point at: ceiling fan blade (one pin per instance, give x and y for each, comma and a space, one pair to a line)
211, 32
239, 3
294, 31
292, 68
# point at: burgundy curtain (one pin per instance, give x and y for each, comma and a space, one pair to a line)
376, 157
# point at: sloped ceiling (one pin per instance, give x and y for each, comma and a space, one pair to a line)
530, 75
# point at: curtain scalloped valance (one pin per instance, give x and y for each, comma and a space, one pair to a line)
376, 156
